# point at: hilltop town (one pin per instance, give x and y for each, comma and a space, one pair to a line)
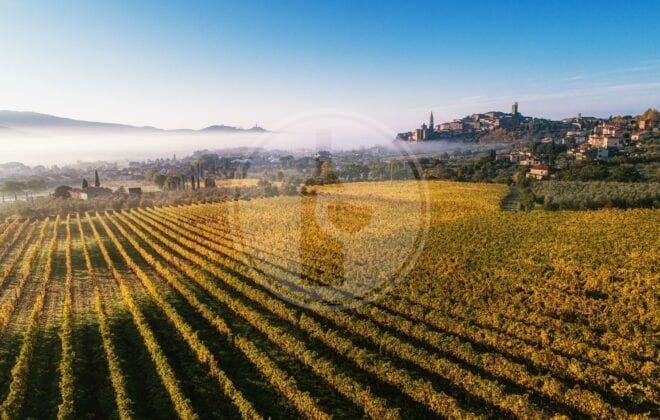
499, 126
469, 127
577, 138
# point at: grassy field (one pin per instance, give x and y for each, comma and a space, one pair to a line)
454, 308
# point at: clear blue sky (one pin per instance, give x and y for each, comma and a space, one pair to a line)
191, 64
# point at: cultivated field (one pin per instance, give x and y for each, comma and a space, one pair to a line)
177, 311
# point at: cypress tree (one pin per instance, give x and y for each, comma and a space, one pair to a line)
97, 180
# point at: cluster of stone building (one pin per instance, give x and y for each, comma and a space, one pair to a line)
608, 138
605, 140
89, 193
471, 124
538, 169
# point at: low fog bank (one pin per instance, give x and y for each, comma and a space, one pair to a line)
68, 148
40, 139
435, 146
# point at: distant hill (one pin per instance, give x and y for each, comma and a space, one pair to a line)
33, 121
230, 129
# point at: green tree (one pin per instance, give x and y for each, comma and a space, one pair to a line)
328, 176
13, 187
625, 173
209, 182
120, 193
62, 192
650, 114
207, 162
159, 180
85, 184
97, 180
35, 184
527, 200
593, 173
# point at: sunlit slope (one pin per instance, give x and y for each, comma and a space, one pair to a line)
392, 299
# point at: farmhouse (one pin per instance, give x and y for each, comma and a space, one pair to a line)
94, 192
135, 191
539, 172
75, 193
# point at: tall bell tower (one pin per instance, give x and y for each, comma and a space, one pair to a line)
431, 125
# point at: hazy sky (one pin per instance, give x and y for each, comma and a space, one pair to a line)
191, 64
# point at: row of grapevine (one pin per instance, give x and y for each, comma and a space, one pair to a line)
503, 315
561, 343
202, 352
67, 390
581, 399
344, 384
570, 286
536, 335
7, 308
526, 379
286, 271
472, 383
495, 364
265, 250
588, 374
208, 226
165, 372
521, 376
122, 398
592, 375
561, 338
13, 403
226, 256
7, 245
419, 389
284, 383
9, 266
234, 246
209, 219
6, 230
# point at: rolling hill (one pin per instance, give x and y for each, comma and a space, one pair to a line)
33, 122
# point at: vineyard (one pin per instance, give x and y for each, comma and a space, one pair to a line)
205, 311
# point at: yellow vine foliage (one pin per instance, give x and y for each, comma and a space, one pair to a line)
504, 314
